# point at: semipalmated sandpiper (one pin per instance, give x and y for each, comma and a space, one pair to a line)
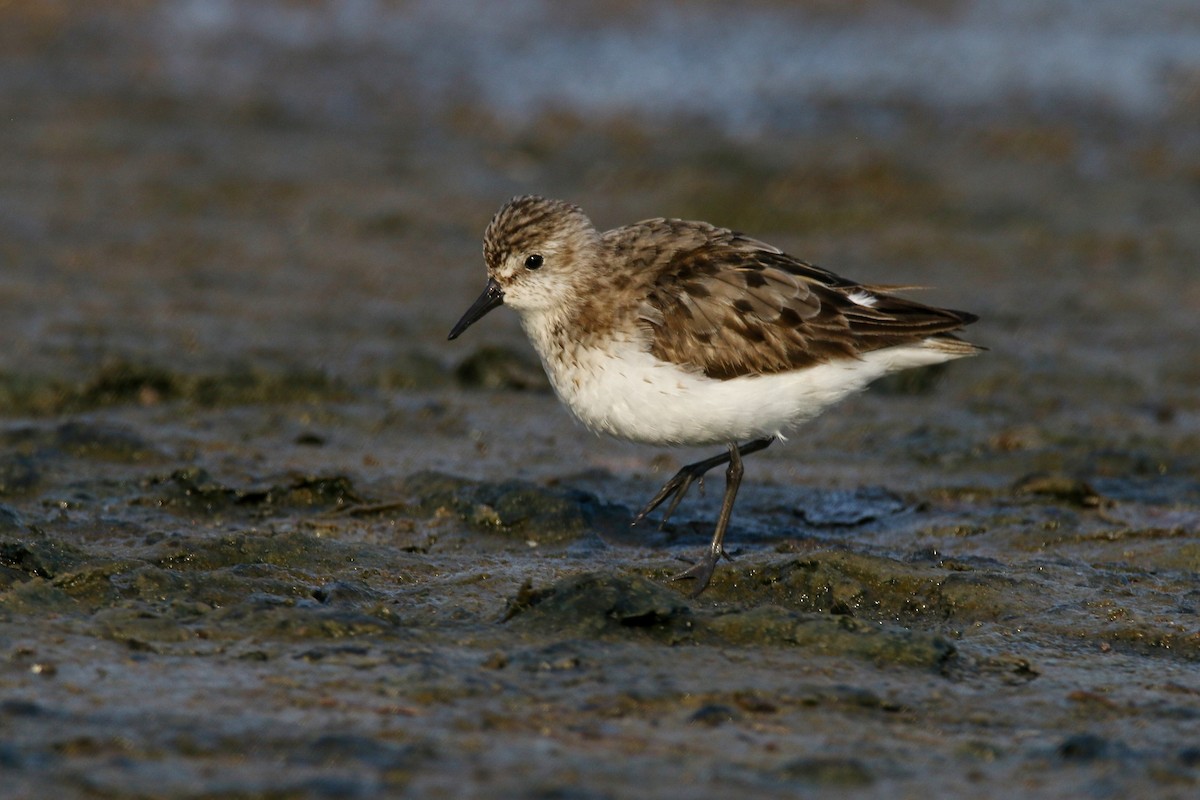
672, 332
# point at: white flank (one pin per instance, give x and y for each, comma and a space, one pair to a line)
626, 392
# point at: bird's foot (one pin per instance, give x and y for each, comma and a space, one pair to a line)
674, 489
702, 571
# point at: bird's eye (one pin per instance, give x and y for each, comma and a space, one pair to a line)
534, 261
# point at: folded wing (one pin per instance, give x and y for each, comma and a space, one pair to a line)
733, 306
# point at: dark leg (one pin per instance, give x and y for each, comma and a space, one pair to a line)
683, 479
702, 570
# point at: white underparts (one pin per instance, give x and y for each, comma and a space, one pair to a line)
624, 391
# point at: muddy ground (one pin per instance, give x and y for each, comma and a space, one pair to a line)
264, 533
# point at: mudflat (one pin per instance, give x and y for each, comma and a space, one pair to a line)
265, 533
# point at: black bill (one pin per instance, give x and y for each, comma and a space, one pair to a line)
492, 296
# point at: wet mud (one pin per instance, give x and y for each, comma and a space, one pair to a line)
264, 533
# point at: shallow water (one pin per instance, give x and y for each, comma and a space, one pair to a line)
265, 533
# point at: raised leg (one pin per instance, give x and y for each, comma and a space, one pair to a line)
702, 570
677, 486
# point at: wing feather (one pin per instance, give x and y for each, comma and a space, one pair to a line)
728, 305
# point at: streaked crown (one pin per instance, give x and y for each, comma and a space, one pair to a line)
530, 223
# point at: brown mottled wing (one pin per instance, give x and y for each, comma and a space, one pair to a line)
730, 306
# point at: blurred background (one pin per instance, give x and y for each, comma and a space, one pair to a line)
234, 236
241, 199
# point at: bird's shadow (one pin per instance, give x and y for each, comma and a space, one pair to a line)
769, 516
